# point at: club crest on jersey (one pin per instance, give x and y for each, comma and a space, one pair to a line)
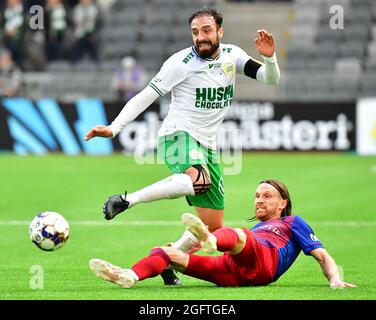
229, 69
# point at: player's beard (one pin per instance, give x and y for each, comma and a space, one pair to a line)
207, 53
265, 215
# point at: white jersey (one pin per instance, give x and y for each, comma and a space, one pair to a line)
202, 91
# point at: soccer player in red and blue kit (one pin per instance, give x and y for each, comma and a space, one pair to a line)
258, 256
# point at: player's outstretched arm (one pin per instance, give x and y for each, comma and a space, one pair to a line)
130, 111
330, 269
99, 131
269, 72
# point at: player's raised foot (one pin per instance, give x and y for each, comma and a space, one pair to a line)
170, 278
112, 273
114, 205
195, 225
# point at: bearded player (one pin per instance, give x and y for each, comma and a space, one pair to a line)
252, 257
201, 79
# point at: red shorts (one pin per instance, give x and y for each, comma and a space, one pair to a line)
254, 265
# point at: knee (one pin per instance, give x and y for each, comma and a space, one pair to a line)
200, 178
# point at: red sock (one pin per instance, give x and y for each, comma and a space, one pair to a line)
227, 239
152, 265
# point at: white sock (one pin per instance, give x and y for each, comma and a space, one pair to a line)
133, 274
187, 243
175, 186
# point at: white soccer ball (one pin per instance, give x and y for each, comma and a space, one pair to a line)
49, 231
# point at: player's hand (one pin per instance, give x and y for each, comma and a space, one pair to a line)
99, 131
341, 284
265, 43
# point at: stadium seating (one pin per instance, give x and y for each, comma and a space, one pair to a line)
346, 56
149, 27
152, 30
315, 59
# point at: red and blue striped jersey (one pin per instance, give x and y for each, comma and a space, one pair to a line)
288, 235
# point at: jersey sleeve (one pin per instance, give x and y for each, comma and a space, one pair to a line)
305, 236
171, 74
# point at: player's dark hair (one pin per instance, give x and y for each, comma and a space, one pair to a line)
283, 191
208, 12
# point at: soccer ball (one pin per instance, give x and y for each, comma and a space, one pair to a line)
49, 231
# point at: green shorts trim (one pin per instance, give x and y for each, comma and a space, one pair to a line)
180, 151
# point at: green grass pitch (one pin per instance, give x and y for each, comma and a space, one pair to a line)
335, 193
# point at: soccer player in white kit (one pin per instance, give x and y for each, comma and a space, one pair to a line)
201, 79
